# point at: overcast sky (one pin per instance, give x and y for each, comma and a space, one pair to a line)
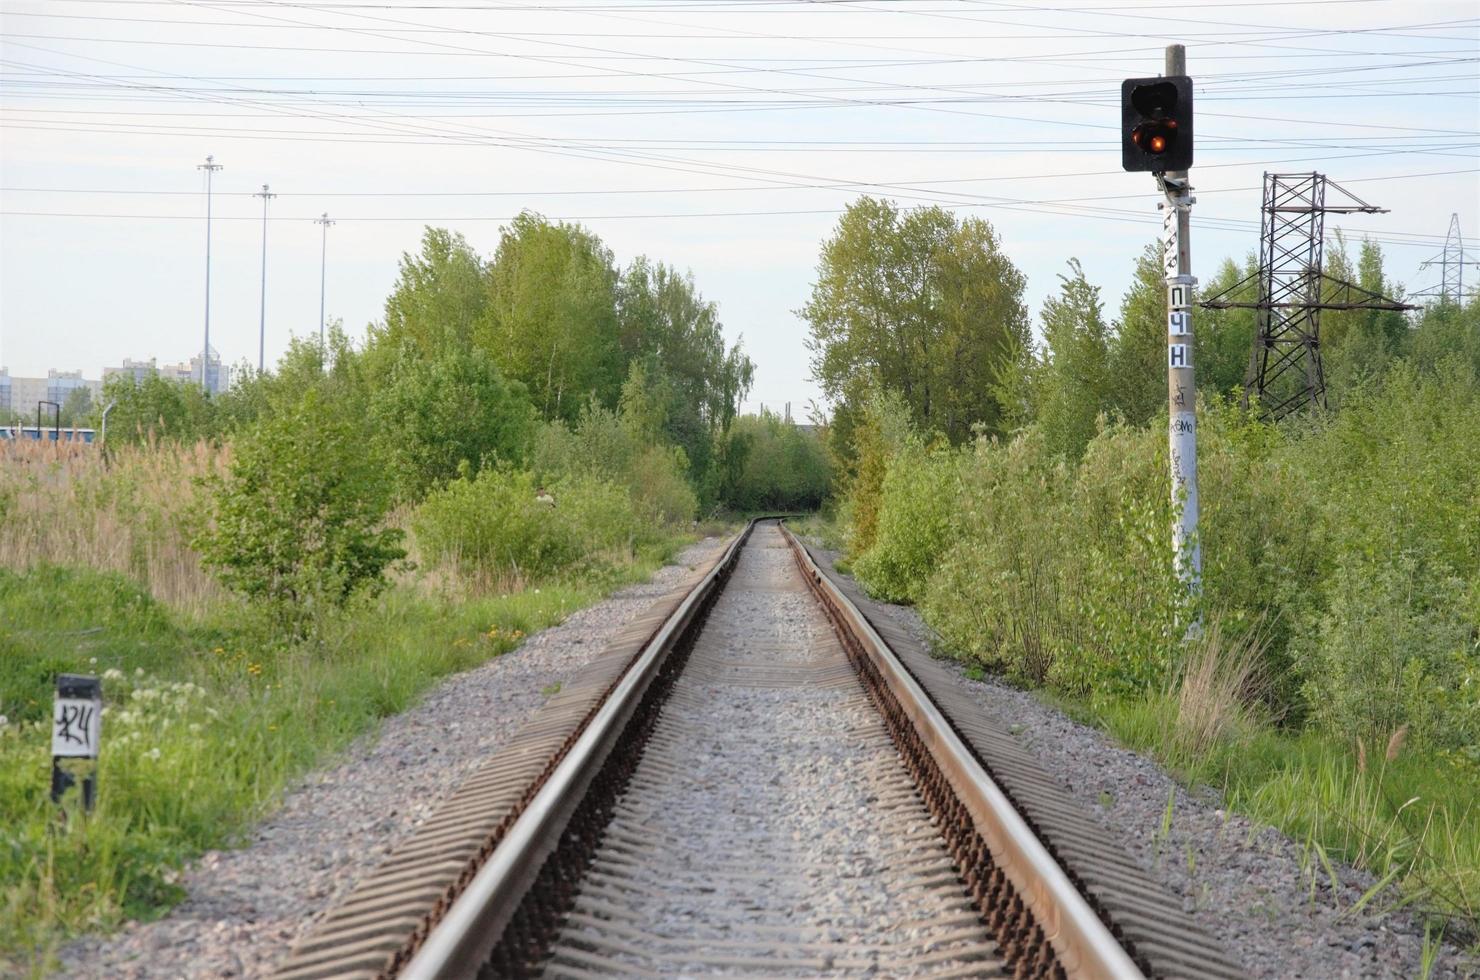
723, 136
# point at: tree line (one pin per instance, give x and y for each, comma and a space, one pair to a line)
543, 367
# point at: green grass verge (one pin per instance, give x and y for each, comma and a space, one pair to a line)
1412, 820
206, 724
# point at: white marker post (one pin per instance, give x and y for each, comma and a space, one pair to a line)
77, 723
1181, 389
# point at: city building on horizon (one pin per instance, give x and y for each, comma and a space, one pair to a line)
20, 395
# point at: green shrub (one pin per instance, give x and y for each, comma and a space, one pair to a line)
606, 446
299, 518
492, 525
916, 523
663, 496
435, 415
875, 432
1391, 651
1393, 637
995, 596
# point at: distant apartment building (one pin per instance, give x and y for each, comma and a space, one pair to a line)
135, 371
22, 396
216, 376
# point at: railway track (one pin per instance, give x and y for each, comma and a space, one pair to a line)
759, 777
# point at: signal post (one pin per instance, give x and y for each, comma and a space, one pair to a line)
1156, 136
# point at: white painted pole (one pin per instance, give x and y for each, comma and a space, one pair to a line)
1181, 388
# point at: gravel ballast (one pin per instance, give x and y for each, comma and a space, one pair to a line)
1265, 899
246, 907
771, 827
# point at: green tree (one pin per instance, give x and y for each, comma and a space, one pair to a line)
1224, 339
298, 521
433, 416
919, 303
1447, 331
551, 320
781, 465
156, 408
1073, 384
440, 297
1359, 345
675, 333
1138, 354
76, 407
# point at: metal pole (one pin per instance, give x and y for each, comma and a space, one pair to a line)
1181, 388
210, 167
323, 266
262, 327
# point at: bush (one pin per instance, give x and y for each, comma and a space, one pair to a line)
917, 523
609, 447
1350, 544
435, 415
1391, 652
492, 526
663, 496
156, 408
1059, 574
299, 518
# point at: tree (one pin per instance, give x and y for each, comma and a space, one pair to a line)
1138, 354
1223, 340
779, 466
298, 521
439, 298
76, 407
434, 416
551, 320
920, 303
156, 408
668, 327
1073, 383
1359, 345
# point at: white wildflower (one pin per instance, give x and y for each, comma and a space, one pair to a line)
195, 728
4, 721
92, 661
112, 674
138, 671
153, 754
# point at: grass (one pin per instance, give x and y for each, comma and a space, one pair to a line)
1411, 819
208, 715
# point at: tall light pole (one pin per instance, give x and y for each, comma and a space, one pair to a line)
323, 266
262, 327
210, 167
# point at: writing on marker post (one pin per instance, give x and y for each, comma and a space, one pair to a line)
76, 728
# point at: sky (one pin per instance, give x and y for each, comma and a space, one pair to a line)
721, 136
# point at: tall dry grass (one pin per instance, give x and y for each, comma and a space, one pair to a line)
128, 512
1221, 681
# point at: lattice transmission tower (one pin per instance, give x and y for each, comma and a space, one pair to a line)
1451, 263
1285, 372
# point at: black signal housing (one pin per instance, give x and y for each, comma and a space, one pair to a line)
1156, 124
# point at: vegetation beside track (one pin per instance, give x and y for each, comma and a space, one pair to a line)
212, 709
1333, 688
260, 577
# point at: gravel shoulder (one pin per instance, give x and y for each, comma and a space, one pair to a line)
1268, 902
246, 907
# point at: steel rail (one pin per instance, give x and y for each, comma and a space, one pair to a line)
1084, 945
468, 931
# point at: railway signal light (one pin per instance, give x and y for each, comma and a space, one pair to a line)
1156, 123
